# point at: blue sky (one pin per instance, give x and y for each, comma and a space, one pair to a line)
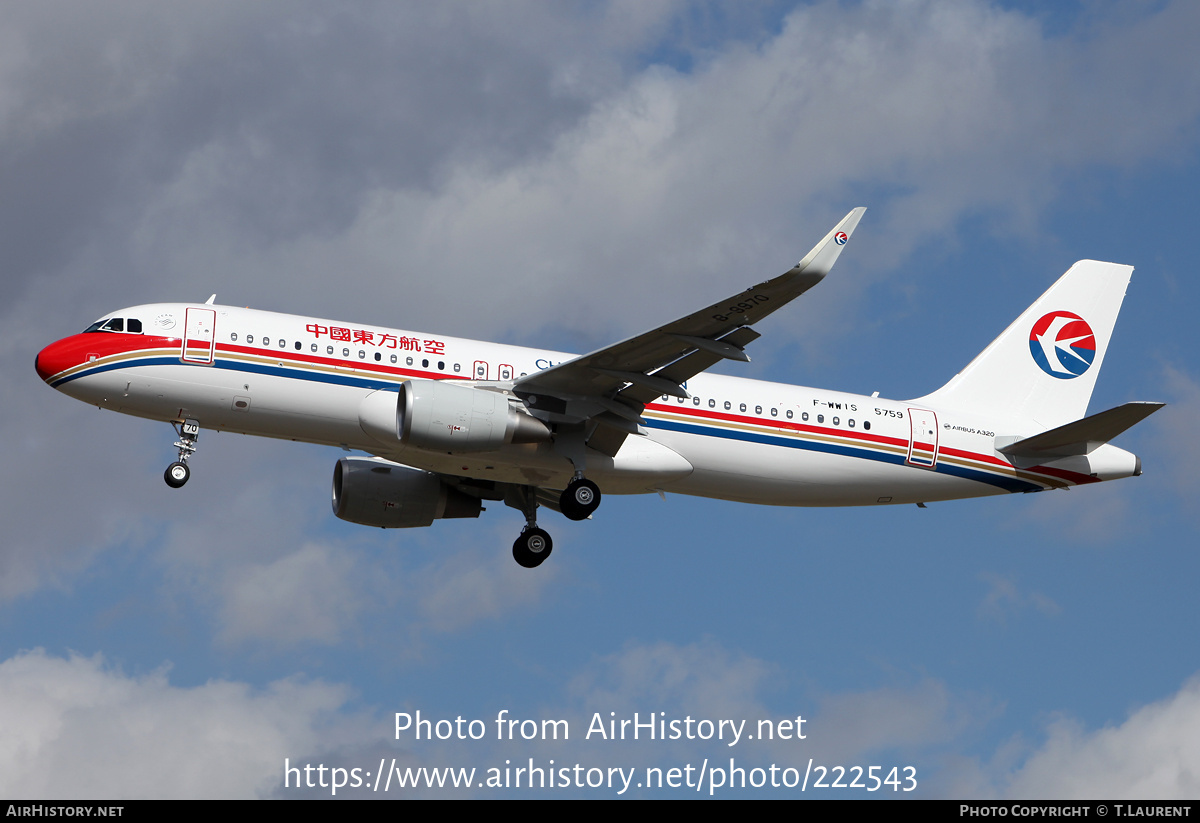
565, 176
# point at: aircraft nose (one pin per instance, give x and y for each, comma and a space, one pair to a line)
55, 358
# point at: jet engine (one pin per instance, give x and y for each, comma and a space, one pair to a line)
439, 415
374, 492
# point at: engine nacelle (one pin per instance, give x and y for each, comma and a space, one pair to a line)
374, 492
438, 415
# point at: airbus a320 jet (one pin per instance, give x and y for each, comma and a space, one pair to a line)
450, 423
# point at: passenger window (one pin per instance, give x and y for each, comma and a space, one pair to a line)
695, 401
712, 403
249, 338
424, 364
378, 357
835, 421
820, 418
742, 407
727, 406
758, 409
458, 367
851, 422
266, 341
774, 412
393, 358
441, 365
329, 349
867, 425
345, 352
408, 361
789, 414
804, 416
362, 355
233, 337
313, 348
299, 345
282, 343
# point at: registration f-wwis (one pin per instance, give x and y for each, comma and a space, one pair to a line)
451, 423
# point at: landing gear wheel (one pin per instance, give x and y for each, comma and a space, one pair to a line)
532, 547
580, 499
177, 474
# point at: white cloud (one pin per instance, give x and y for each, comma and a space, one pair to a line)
706, 680
1176, 444
1004, 599
1154, 755
915, 718
227, 739
473, 584
698, 181
76, 728
308, 595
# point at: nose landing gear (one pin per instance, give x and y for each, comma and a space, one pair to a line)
178, 472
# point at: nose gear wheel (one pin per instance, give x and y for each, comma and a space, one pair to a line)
178, 472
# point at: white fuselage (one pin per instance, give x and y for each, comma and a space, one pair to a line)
312, 380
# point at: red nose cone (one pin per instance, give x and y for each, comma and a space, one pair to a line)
58, 356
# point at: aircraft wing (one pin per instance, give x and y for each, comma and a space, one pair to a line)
612, 385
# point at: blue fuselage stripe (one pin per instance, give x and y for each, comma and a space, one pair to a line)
1011, 484
1007, 483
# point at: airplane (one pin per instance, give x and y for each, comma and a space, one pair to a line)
449, 424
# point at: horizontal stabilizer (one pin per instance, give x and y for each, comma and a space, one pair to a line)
1082, 436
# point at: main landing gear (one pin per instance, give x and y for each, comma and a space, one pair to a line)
534, 545
178, 472
579, 499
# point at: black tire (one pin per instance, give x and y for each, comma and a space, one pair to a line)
532, 547
177, 474
580, 499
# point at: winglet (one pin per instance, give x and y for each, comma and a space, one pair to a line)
821, 259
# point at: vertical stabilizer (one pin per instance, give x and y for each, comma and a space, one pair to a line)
1043, 368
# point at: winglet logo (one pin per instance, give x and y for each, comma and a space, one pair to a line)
1062, 344
840, 238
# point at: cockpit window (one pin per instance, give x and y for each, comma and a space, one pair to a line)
110, 324
116, 324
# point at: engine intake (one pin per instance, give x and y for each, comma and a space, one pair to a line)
374, 492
